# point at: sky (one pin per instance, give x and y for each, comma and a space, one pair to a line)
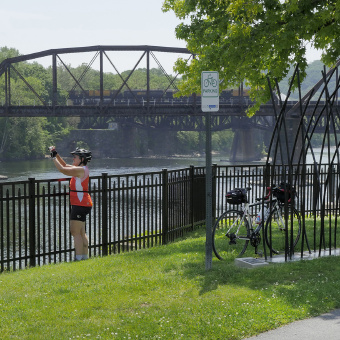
38, 25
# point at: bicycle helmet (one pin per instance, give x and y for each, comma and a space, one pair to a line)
85, 155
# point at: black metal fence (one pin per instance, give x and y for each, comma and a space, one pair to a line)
256, 176
130, 211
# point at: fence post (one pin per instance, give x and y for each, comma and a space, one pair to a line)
31, 225
192, 193
165, 226
1, 230
214, 171
104, 215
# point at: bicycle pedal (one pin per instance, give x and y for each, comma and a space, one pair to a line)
232, 238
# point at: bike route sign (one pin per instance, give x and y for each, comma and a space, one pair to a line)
210, 94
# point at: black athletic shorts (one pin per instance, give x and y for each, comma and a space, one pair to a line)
79, 213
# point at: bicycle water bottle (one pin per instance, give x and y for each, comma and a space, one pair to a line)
261, 214
258, 217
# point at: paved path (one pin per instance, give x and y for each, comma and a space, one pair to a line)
324, 327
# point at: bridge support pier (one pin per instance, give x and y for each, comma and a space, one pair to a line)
246, 145
161, 141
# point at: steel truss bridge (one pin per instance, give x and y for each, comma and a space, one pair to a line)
182, 114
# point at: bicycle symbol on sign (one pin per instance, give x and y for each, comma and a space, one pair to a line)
210, 81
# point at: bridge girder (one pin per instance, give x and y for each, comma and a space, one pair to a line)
181, 116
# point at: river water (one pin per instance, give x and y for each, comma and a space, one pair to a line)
45, 169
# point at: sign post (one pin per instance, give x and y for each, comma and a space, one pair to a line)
209, 103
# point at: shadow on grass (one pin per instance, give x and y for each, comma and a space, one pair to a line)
312, 284
309, 283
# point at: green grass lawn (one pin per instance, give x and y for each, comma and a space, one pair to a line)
163, 293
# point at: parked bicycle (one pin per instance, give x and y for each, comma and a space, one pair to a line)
236, 228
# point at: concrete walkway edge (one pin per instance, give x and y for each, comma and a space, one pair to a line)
325, 326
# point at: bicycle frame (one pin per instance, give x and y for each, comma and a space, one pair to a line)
246, 215
238, 221
236, 228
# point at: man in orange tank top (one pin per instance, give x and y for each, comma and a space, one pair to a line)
80, 198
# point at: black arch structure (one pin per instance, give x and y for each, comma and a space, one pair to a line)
293, 138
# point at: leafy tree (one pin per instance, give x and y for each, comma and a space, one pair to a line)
138, 79
22, 95
187, 141
6, 52
59, 127
26, 138
89, 79
222, 141
250, 40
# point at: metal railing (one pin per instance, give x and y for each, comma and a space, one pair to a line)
130, 212
254, 176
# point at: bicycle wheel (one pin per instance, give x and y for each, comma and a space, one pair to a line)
230, 235
275, 231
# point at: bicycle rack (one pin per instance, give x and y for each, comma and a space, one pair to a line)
293, 138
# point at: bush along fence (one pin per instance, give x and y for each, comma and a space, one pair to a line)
133, 211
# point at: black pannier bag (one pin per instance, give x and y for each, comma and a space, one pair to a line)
237, 196
279, 192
